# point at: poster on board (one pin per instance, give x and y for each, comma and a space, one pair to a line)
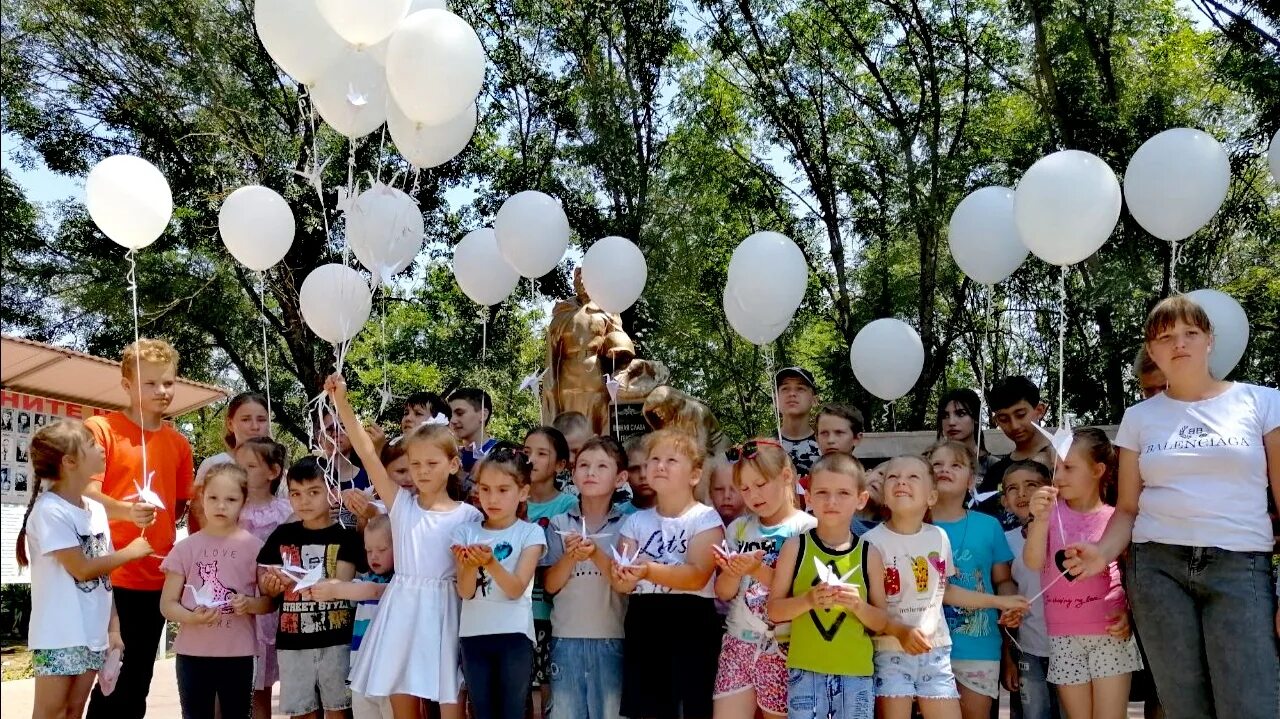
21, 416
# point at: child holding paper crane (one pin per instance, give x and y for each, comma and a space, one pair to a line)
665, 562
910, 566
820, 585
753, 655
1090, 660
211, 590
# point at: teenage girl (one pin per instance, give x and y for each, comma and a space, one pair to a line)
67, 544
246, 418
411, 649
211, 591
830, 658
668, 573
1090, 662
496, 561
264, 461
753, 655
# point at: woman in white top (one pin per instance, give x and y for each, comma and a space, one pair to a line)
1195, 465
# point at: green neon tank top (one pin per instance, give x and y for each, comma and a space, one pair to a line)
830, 641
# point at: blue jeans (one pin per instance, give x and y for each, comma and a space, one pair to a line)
586, 678
1039, 700
499, 673
1206, 617
829, 696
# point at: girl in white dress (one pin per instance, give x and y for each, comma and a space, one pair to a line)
410, 652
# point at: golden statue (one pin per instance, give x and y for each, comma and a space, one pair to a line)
585, 347
669, 408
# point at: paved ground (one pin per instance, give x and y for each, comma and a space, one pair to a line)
17, 696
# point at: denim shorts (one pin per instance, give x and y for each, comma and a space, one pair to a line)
927, 675
829, 696
308, 673
66, 662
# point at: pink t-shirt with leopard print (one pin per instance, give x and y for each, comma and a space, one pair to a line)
218, 567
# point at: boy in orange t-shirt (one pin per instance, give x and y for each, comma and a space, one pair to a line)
148, 371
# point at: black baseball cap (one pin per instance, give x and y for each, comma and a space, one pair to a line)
799, 373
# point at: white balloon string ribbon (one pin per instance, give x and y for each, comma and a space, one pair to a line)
351, 192
1174, 258
266, 356
773, 384
1062, 342
484, 334
984, 338
382, 148
132, 278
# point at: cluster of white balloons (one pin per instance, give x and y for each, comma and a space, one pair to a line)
409, 63
768, 275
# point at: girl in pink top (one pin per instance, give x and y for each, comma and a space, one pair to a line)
1089, 661
211, 591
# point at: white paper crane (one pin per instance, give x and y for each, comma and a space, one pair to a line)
612, 384
724, 550
829, 577
305, 578
314, 175
146, 494
623, 559
438, 419
204, 597
355, 97
584, 534
980, 497
532, 382
1060, 440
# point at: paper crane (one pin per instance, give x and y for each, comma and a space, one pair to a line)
438, 419
612, 384
1059, 440
829, 577
314, 175
583, 533
373, 499
980, 497
355, 97
146, 494
723, 549
623, 559
384, 399
346, 200
532, 382
204, 597
305, 578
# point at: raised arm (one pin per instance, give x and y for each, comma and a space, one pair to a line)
695, 574
85, 568
361, 442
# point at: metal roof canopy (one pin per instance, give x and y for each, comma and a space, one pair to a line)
58, 373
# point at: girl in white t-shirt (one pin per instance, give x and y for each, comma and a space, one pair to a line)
753, 656
67, 543
496, 561
665, 563
1195, 465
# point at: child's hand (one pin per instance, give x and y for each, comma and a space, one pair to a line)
1084, 560
631, 574
913, 640
1042, 502
821, 596
743, 564
204, 615
240, 604
359, 504
139, 548
1011, 618
1008, 603
481, 554
324, 590
580, 548
1118, 626
848, 597
376, 434
1011, 679
142, 515
114, 642
459, 553
336, 386
275, 582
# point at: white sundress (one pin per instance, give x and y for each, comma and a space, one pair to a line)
412, 645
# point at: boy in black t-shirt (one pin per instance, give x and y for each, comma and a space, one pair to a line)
314, 641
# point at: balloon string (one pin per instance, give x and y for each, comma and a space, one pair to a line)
266, 357
351, 191
386, 377
132, 278
484, 335
984, 337
315, 160
1062, 341
1174, 257
773, 384
382, 148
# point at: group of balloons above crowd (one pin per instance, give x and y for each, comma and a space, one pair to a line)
418, 68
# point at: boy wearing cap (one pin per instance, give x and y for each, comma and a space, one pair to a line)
797, 394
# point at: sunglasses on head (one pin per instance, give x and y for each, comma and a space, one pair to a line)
505, 454
749, 449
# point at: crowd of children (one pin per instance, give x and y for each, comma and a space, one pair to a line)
573, 577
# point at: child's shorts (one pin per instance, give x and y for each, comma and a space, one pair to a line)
833, 696
66, 662
979, 675
304, 673
751, 665
1080, 659
928, 675
542, 652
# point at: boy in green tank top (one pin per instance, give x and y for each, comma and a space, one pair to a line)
819, 585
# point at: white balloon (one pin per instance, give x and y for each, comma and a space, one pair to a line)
1176, 182
417, 5
887, 357
1066, 206
426, 146
384, 227
983, 237
1230, 329
614, 273
335, 302
480, 270
750, 327
297, 37
435, 65
768, 276
351, 95
256, 225
532, 231
1273, 156
363, 22
129, 200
